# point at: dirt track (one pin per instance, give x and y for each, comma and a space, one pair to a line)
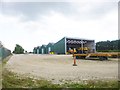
58, 68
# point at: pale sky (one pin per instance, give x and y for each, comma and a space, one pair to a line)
33, 23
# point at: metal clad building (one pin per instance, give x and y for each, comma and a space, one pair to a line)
38, 50
35, 50
60, 47
65, 44
50, 48
43, 49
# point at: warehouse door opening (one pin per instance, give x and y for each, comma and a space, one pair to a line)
72, 46
75, 44
37, 51
42, 51
49, 50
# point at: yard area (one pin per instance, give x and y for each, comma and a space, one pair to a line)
59, 69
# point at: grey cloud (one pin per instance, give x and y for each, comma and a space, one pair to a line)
97, 10
105, 7
32, 9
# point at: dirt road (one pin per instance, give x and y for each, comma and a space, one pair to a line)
58, 68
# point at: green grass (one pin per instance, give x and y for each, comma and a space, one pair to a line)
12, 80
5, 60
93, 84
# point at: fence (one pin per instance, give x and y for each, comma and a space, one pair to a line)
4, 52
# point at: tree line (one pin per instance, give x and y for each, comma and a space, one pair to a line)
108, 46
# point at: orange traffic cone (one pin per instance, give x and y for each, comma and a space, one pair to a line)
74, 61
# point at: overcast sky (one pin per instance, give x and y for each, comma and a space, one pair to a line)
33, 23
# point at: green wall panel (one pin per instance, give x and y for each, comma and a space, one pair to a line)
59, 47
44, 49
51, 46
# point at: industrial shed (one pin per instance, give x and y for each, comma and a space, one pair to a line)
35, 50
38, 49
66, 43
42, 49
60, 46
50, 48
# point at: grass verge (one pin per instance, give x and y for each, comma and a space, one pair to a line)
4, 61
12, 80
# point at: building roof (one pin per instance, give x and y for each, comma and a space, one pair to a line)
43, 45
79, 38
50, 44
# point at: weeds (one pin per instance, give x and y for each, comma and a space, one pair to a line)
12, 80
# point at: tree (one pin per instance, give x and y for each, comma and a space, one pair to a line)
108, 45
18, 49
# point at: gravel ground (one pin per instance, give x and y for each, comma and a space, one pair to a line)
59, 68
